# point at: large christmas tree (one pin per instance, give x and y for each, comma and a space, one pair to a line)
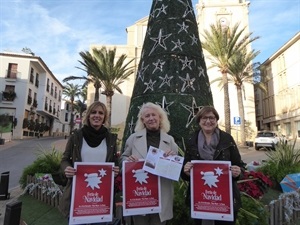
172, 70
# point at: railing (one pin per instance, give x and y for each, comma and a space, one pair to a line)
285, 210
43, 190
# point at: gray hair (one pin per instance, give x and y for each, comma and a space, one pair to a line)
164, 121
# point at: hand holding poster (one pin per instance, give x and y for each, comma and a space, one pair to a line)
211, 190
92, 193
158, 163
141, 190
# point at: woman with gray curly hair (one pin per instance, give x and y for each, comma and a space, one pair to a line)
151, 130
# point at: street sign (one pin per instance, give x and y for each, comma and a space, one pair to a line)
237, 120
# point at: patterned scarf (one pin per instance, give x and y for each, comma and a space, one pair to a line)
207, 151
94, 137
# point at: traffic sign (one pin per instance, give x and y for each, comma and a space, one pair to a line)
237, 120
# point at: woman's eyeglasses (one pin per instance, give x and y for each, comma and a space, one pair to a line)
210, 118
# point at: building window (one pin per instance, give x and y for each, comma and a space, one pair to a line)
37, 80
66, 117
55, 92
48, 85
288, 130
29, 98
9, 93
12, 71
51, 89
31, 75
298, 128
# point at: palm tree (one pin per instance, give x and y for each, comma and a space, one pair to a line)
72, 91
80, 105
242, 70
222, 43
102, 64
88, 79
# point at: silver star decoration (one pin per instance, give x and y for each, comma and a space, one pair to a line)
194, 39
187, 82
194, 109
140, 73
201, 72
162, 9
131, 126
183, 27
189, 9
158, 65
149, 85
159, 41
165, 105
186, 63
178, 44
165, 80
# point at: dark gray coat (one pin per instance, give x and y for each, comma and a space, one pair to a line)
226, 150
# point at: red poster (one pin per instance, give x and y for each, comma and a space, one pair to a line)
141, 190
92, 193
211, 190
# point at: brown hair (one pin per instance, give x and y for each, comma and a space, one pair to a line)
205, 110
90, 109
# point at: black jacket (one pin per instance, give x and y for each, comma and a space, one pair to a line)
226, 150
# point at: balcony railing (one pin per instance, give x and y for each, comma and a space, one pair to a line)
29, 100
35, 104
12, 74
9, 95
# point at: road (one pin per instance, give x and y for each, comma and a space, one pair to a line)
16, 155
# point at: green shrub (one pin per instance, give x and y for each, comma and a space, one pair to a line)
284, 160
252, 212
46, 162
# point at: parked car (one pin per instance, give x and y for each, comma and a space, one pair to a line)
268, 139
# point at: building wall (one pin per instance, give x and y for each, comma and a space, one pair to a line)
30, 86
281, 104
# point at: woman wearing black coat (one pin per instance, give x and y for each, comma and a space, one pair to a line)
211, 143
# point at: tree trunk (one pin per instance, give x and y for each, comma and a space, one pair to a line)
226, 103
108, 106
241, 112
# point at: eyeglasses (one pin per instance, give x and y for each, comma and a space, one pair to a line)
210, 118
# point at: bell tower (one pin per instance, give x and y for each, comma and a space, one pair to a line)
228, 13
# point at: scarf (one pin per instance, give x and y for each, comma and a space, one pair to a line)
94, 137
207, 151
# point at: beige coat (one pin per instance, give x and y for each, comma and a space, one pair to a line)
136, 145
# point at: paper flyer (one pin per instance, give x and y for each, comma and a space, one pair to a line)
158, 163
141, 190
92, 193
211, 190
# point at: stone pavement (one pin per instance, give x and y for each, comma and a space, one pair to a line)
17, 191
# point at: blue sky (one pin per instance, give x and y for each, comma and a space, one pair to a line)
57, 30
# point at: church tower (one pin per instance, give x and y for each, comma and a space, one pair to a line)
228, 13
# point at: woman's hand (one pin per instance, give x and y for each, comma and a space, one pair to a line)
187, 168
116, 170
235, 170
70, 172
132, 158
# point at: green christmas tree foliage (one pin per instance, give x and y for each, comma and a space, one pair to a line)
172, 70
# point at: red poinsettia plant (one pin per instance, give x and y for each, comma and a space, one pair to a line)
254, 183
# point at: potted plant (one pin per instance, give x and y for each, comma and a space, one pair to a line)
9, 95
